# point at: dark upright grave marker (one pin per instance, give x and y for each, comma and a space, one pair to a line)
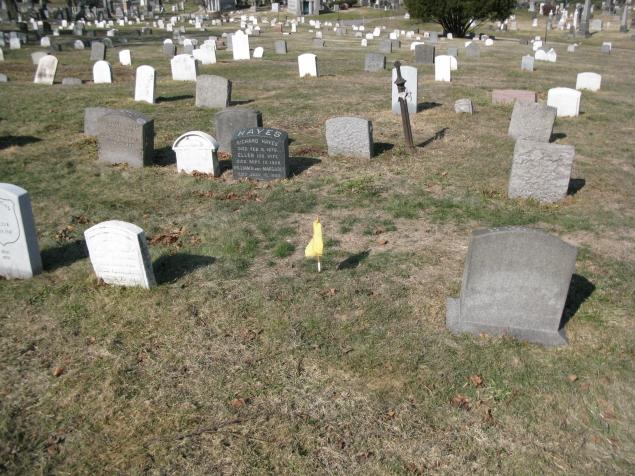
260, 153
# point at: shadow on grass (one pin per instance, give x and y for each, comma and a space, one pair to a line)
575, 185
297, 165
164, 157
557, 136
381, 147
170, 268
64, 255
580, 289
174, 98
240, 102
10, 141
424, 106
353, 261
440, 134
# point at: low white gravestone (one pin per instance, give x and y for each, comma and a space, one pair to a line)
590, 81
443, 68
19, 251
196, 152
46, 68
307, 65
565, 100
259, 52
409, 73
124, 58
184, 68
119, 254
145, 81
102, 73
515, 282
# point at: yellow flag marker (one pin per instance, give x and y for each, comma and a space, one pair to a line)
315, 248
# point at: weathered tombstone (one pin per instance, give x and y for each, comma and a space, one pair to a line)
45, 42
169, 50
509, 96
119, 254
240, 46
78, 44
472, 51
318, 43
229, 121
281, 47
260, 153
102, 73
308, 65
424, 54
14, 43
259, 52
546, 55
532, 121
463, 106
124, 58
206, 54
349, 136
409, 73
71, 81
541, 171
515, 282
565, 100
46, 69
19, 250
443, 68
385, 46
1, 55
97, 51
125, 137
92, 116
145, 82
184, 68
589, 81
213, 91
527, 63
606, 48
596, 25
374, 62
36, 56
3, 78
196, 152
453, 52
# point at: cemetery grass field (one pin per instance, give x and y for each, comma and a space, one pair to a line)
245, 360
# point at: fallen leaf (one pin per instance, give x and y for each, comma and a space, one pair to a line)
476, 380
391, 414
65, 234
168, 238
461, 401
572, 378
80, 219
238, 403
363, 456
378, 231
57, 371
383, 242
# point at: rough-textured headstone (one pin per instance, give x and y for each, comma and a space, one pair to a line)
509, 96
125, 137
565, 100
532, 121
97, 51
464, 105
515, 282
260, 153
540, 171
213, 91
169, 50
349, 136
92, 115
229, 121
374, 62
424, 54
71, 81
3, 78
78, 44
145, 82
308, 65
46, 69
119, 254
19, 250
184, 68
409, 73
472, 51
588, 81
527, 63
385, 46
318, 43
453, 52
280, 47
102, 73
196, 151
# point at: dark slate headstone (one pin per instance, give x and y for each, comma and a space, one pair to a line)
260, 153
97, 51
374, 62
92, 115
126, 137
424, 54
230, 120
515, 282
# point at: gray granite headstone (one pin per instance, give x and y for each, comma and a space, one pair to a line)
260, 153
169, 50
541, 171
606, 49
318, 43
78, 44
36, 56
213, 91
453, 52
71, 81
396, 44
19, 251
97, 51
92, 115
433, 37
515, 282
374, 62
187, 49
527, 63
385, 46
424, 54
532, 121
281, 47
472, 51
463, 105
3, 78
230, 120
125, 137
349, 136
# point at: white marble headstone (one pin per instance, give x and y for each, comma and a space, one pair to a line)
259, 52
307, 65
590, 81
196, 152
240, 46
101, 72
443, 68
184, 68
124, 58
565, 100
145, 82
46, 68
409, 73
